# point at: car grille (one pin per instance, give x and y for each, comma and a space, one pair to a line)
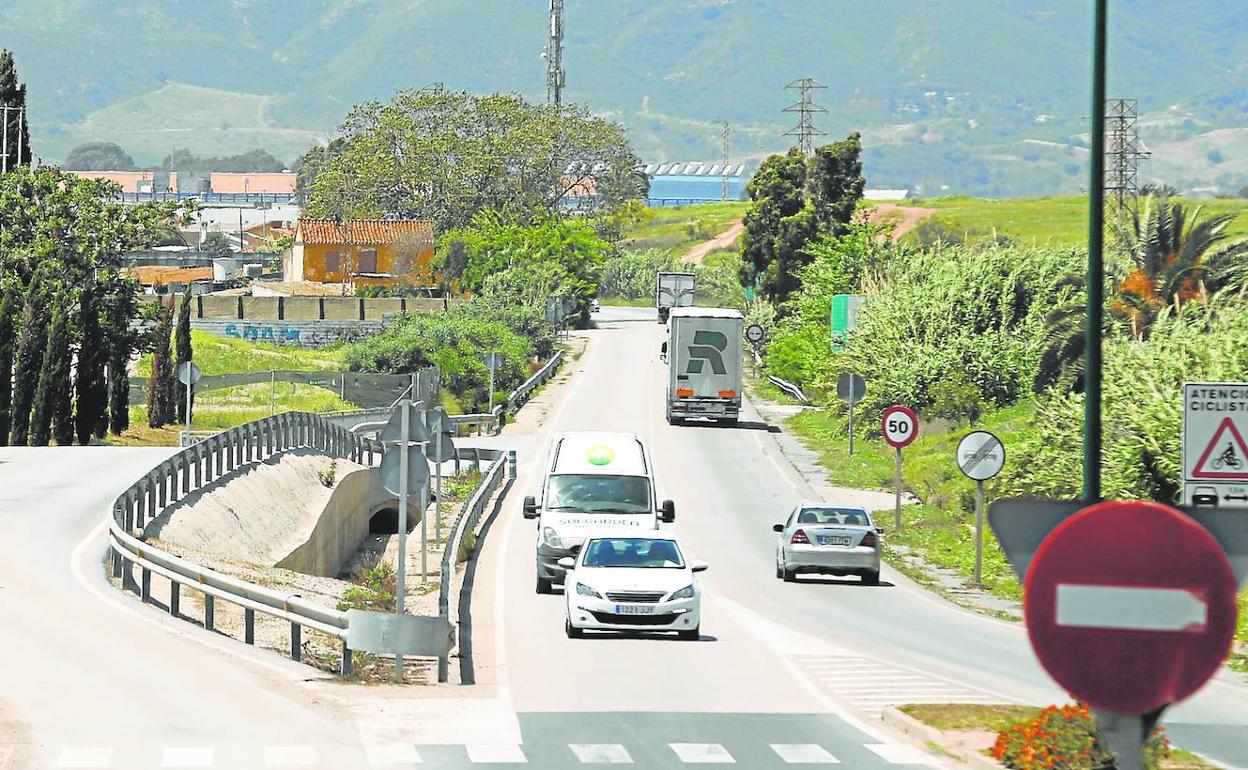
633, 620
636, 597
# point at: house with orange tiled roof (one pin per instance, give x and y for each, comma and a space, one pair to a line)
362, 252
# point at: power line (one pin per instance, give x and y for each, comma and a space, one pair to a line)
726, 135
805, 108
1123, 151
555, 77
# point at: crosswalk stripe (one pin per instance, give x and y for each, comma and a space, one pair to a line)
398, 754
601, 753
900, 754
76, 757
187, 756
495, 753
804, 754
289, 756
702, 753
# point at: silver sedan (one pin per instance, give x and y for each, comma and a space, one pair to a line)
829, 539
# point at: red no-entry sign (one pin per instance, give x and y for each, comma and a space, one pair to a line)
1130, 605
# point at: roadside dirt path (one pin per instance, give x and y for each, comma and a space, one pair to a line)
721, 241
905, 218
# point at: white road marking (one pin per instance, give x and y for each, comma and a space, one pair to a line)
900, 754
78, 757
1130, 608
190, 756
601, 753
702, 753
804, 754
870, 685
398, 754
289, 756
495, 753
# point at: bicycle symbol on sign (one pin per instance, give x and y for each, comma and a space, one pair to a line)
1228, 458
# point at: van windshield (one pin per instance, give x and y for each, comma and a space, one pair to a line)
594, 493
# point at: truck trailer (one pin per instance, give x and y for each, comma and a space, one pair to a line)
704, 355
674, 290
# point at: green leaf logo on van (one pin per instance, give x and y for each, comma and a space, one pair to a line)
600, 454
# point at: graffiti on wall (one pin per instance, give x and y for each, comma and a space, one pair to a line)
263, 333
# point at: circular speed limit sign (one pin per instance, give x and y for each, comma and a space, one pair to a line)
900, 426
754, 333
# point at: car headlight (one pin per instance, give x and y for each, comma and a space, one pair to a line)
551, 538
585, 590
684, 593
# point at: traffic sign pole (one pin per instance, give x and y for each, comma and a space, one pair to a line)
897, 489
851, 428
437, 436
979, 532
405, 409
899, 426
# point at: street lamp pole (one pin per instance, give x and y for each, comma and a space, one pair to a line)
1096, 269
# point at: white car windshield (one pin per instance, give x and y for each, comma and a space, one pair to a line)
635, 552
595, 493
852, 517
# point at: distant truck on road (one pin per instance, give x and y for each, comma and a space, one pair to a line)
674, 290
704, 356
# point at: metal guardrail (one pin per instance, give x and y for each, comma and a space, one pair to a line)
789, 388
467, 520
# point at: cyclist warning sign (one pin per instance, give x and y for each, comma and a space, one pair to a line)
1215, 421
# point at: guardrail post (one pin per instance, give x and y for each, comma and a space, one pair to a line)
146, 589
149, 509
230, 448
163, 482
186, 472
175, 596
117, 563
296, 642
346, 667
249, 625
210, 612
199, 466
511, 463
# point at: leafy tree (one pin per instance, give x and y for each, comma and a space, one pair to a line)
185, 353
120, 307
99, 156
160, 386
446, 155
258, 161
13, 94
92, 396
836, 183
218, 244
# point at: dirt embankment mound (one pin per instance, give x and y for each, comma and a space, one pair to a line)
258, 513
903, 218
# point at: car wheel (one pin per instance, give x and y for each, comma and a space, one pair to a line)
572, 631
544, 586
871, 578
692, 635
789, 575
779, 570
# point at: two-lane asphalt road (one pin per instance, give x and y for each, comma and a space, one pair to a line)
806, 650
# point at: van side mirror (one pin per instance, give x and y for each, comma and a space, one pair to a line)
567, 562
879, 530
530, 507
698, 566
667, 512
663, 353
777, 527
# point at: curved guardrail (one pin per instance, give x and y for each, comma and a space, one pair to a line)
515, 399
202, 463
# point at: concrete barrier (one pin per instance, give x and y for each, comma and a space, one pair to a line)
302, 308
375, 308
341, 308
218, 307
260, 308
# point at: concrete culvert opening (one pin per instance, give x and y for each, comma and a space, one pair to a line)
386, 522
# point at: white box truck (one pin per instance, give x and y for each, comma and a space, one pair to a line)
704, 356
674, 290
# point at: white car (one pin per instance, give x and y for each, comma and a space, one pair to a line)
594, 307
829, 539
632, 581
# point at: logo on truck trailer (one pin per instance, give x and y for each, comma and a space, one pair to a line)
707, 346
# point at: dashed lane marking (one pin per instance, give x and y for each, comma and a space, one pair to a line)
495, 753
702, 753
78, 757
399, 754
289, 756
187, 756
601, 753
804, 754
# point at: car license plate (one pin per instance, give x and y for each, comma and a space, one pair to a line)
633, 609
829, 540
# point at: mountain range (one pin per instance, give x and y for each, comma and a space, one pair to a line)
983, 97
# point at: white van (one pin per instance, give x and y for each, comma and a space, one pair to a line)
593, 481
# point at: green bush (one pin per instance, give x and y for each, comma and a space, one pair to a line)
631, 274
1066, 738
957, 399
376, 592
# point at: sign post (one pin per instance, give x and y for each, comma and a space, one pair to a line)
850, 388
401, 474
900, 427
980, 456
188, 375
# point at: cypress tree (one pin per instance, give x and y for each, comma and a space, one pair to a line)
27, 360
52, 373
8, 298
13, 94
92, 394
159, 386
184, 354
120, 346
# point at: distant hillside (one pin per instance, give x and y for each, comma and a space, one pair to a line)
977, 96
